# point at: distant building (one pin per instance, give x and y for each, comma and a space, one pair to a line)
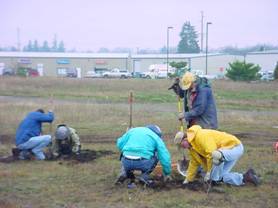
59, 64
267, 60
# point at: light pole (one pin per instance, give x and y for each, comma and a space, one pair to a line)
208, 23
168, 28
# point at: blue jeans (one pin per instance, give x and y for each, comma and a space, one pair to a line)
36, 145
143, 165
222, 171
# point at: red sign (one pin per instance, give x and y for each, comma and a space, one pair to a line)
99, 61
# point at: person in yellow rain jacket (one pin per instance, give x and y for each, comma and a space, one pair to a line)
217, 152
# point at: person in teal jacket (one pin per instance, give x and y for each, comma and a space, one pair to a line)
141, 148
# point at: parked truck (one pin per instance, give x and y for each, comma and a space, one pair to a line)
117, 73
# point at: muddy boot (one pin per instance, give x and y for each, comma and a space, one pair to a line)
25, 155
251, 177
15, 152
121, 179
148, 183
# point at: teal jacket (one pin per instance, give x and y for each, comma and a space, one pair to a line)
143, 142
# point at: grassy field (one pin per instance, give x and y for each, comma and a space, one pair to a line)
99, 110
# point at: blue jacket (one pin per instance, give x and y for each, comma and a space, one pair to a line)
143, 142
203, 109
31, 126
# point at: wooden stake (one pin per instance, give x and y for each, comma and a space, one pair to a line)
130, 100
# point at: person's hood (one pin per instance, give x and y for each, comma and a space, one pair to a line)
192, 132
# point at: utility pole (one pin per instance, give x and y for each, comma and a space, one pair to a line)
167, 59
208, 23
202, 32
18, 39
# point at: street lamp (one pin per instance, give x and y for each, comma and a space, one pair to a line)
168, 28
208, 23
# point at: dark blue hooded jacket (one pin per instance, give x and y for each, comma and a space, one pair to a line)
203, 110
31, 126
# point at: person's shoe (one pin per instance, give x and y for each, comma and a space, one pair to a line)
15, 152
148, 183
25, 155
131, 185
120, 180
251, 177
216, 183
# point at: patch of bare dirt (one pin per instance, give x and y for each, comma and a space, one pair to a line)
86, 155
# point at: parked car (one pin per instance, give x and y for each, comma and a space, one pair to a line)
71, 72
117, 73
137, 74
33, 73
8, 72
27, 72
92, 74
266, 75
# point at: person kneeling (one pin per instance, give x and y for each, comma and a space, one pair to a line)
217, 152
141, 148
66, 141
29, 139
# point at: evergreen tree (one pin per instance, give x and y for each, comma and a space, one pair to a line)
61, 47
163, 50
103, 50
45, 47
54, 45
36, 46
188, 42
242, 71
30, 46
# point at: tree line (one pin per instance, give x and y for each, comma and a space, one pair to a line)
34, 46
188, 44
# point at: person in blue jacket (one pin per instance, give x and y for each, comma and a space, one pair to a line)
199, 104
141, 148
28, 134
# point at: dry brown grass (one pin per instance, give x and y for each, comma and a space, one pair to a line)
92, 107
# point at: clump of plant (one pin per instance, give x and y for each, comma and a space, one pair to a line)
242, 71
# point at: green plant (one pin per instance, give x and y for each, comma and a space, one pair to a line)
242, 71
180, 68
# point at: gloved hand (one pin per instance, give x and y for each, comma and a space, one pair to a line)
179, 137
185, 181
217, 157
175, 86
181, 116
207, 177
167, 178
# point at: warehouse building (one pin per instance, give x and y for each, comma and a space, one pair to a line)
267, 60
63, 64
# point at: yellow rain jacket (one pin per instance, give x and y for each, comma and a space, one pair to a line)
203, 142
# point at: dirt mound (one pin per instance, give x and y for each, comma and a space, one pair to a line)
86, 155
8, 159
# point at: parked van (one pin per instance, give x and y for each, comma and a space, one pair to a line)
158, 71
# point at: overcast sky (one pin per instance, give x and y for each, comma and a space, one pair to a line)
91, 24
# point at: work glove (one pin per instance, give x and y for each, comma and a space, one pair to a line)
178, 138
185, 181
207, 177
217, 157
181, 116
175, 86
167, 178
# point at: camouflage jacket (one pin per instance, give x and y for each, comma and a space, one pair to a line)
73, 140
